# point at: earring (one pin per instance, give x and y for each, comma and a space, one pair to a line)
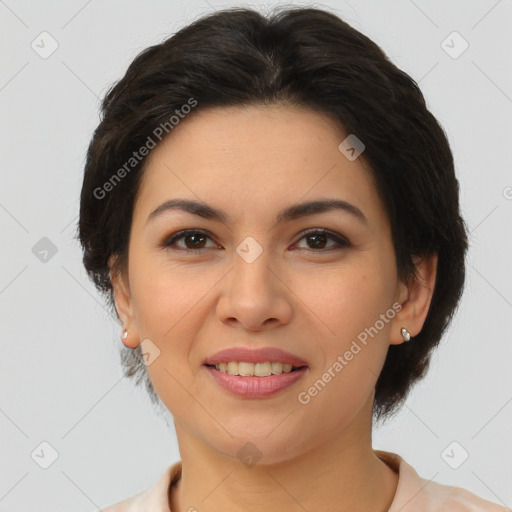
125, 334
406, 334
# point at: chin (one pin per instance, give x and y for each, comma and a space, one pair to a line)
262, 448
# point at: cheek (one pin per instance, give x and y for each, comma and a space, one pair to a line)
170, 306
347, 298
353, 306
165, 299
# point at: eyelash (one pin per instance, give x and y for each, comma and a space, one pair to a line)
341, 241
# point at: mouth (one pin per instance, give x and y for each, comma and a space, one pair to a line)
255, 372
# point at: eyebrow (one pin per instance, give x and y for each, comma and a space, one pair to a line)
290, 213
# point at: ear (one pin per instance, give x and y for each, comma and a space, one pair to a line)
124, 303
415, 299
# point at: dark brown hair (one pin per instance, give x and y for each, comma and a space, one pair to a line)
300, 57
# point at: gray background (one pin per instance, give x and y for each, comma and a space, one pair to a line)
60, 377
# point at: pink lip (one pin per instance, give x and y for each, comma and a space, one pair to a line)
255, 387
254, 355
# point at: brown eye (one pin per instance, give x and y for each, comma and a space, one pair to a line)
194, 240
318, 239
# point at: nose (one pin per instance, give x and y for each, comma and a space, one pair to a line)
254, 296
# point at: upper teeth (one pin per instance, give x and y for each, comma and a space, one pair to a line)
254, 369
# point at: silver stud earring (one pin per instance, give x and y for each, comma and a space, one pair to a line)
125, 334
406, 334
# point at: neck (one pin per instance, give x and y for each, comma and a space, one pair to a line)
341, 474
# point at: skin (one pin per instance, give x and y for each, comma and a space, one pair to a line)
252, 162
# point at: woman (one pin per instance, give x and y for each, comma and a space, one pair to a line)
273, 215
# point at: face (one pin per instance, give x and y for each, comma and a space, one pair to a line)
317, 285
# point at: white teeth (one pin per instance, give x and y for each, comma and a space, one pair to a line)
262, 369
245, 369
277, 368
232, 368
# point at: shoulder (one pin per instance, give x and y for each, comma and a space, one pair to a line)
154, 498
132, 504
456, 499
417, 494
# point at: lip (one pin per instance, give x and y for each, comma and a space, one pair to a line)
254, 355
255, 387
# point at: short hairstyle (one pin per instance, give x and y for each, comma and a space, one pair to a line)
303, 57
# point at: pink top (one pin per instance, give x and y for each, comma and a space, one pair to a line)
413, 493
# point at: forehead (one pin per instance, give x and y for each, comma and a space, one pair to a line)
257, 159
